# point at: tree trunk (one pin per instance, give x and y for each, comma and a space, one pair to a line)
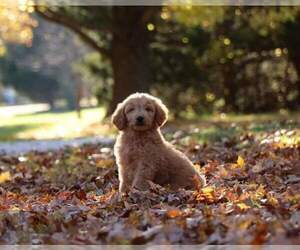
230, 88
129, 53
79, 96
297, 67
295, 59
291, 41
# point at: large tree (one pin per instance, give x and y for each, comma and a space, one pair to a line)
121, 34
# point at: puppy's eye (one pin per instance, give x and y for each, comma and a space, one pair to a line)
130, 110
149, 109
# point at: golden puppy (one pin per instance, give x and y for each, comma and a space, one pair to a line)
141, 151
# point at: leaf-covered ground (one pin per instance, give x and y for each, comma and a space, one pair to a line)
70, 196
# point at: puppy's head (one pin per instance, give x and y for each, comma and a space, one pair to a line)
140, 112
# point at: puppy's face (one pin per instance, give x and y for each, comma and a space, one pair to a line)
140, 112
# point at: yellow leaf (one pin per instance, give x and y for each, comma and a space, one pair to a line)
14, 209
207, 190
240, 162
273, 201
5, 176
242, 206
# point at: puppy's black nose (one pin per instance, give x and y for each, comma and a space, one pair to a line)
140, 119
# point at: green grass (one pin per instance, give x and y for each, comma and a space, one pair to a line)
209, 128
205, 128
49, 125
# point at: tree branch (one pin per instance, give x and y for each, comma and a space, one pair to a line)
75, 27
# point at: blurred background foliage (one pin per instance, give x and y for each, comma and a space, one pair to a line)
198, 59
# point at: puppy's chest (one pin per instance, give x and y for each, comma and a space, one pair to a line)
137, 151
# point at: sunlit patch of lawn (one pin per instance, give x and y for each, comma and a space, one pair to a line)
52, 125
205, 128
224, 127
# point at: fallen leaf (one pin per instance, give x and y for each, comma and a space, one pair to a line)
5, 176
173, 213
208, 189
243, 206
240, 162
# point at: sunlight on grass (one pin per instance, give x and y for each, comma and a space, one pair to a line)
272, 127
229, 117
50, 125
206, 128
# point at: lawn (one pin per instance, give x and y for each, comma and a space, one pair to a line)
50, 125
226, 127
205, 128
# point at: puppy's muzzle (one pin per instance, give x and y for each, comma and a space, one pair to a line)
139, 121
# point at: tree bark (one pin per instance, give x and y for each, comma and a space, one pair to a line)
291, 41
230, 88
295, 59
129, 53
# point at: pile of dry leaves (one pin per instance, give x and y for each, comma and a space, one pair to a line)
70, 197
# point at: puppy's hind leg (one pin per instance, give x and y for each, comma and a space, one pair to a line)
143, 175
123, 187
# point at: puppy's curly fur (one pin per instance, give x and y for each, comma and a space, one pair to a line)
142, 153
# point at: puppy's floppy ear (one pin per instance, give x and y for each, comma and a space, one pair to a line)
161, 113
118, 117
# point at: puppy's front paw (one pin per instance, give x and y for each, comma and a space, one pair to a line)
123, 188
